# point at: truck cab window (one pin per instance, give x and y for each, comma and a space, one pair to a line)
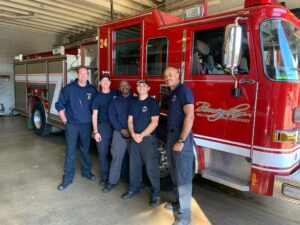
157, 56
280, 49
208, 50
126, 53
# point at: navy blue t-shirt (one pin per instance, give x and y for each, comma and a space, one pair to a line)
101, 103
118, 112
142, 111
179, 97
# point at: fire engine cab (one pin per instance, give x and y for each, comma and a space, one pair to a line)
243, 67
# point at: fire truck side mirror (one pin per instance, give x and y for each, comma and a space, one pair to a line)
232, 46
232, 52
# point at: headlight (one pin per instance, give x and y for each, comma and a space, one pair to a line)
297, 115
291, 191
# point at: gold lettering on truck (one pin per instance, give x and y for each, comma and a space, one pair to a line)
236, 113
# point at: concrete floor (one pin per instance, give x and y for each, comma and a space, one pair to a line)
31, 169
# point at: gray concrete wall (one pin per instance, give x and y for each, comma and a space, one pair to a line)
14, 42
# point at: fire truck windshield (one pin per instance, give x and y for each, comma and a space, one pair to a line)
280, 49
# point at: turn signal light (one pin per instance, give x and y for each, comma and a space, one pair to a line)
285, 136
250, 3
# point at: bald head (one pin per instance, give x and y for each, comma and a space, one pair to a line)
171, 76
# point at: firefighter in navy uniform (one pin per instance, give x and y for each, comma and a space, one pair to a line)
103, 129
142, 122
74, 106
180, 144
118, 117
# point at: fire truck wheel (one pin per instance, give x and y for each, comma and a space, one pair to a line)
38, 118
165, 177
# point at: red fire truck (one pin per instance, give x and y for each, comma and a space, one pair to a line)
244, 69
247, 124
40, 77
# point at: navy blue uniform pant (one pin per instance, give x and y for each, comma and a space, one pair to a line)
77, 133
118, 148
145, 152
181, 170
106, 131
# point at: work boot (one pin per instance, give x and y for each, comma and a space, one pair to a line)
129, 194
179, 221
103, 182
154, 201
89, 176
172, 206
108, 187
63, 185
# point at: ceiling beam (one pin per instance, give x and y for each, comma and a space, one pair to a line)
16, 25
129, 4
117, 8
147, 3
80, 5
16, 17
99, 14
39, 25
49, 22
55, 9
14, 10
67, 22
12, 3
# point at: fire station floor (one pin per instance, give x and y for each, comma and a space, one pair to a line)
31, 169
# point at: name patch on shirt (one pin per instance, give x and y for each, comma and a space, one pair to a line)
89, 96
174, 98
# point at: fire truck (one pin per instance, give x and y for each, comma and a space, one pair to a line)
40, 77
243, 67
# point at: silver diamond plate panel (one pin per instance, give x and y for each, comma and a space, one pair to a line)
293, 180
229, 169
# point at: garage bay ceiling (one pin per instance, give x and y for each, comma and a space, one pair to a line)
76, 17
66, 16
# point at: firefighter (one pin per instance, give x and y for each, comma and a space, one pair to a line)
102, 127
180, 144
74, 106
142, 121
118, 116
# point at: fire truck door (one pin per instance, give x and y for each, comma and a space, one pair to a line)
223, 122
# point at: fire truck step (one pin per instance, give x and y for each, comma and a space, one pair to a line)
226, 179
288, 187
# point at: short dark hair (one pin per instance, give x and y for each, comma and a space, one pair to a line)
145, 81
104, 75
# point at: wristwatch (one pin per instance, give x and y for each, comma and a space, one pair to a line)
180, 140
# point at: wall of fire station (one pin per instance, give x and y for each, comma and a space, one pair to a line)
14, 42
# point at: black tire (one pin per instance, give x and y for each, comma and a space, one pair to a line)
165, 177
38, 118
